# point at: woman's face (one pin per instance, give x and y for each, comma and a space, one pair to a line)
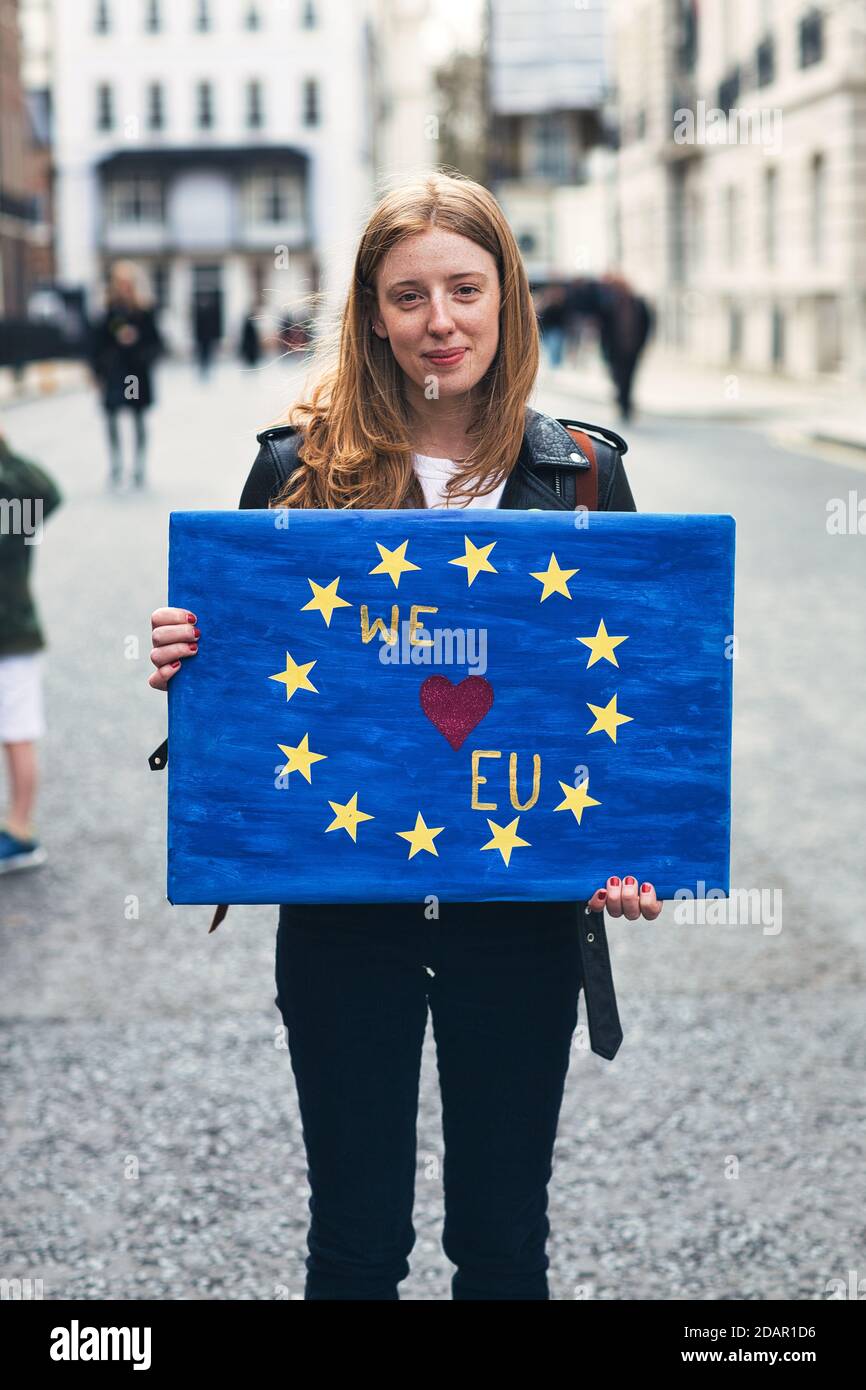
122, 286
438, 293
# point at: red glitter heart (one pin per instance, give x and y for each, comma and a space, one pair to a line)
456, 709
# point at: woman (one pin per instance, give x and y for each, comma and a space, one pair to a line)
425, 404
124, 346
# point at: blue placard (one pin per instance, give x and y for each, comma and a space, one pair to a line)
472, 704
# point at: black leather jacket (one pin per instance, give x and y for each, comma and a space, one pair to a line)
543, 478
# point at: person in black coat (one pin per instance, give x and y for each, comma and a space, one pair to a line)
208, 330
625, 325
125, 343
251, 343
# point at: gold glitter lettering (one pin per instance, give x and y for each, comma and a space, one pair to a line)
536, 781
477, 779
368, 632
414, 624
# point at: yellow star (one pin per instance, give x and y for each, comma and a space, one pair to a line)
554, 579
393, 562
607, 718
475, 559
295, 677
347, 817
601, 646
576, 799
324, 601
300, 758
421, 837
505, 838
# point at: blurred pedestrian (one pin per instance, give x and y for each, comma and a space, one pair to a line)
208, 330
251, 343
581, 308
28, 495
552, 323
125, 342
626, 322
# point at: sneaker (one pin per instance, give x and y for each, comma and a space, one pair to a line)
19, 854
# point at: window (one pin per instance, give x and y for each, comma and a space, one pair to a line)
550, 147
102, 18
765, 61
771, 198
686, 35
696, 234
152, 17
732, 220
252, 19
777, 336
729, 90
159, 280
308, 14
310, 115
202, 16
811, 38
818, 200
104, 107
273, 198
255, 117
135, 200
735, 332
204, 106
155, 106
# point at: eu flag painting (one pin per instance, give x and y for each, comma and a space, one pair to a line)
472, 704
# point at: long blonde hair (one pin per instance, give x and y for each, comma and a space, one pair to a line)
142, 297
355, 421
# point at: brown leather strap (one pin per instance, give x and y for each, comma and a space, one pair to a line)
585, 482
218, 917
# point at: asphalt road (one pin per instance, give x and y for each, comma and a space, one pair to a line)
152, 1145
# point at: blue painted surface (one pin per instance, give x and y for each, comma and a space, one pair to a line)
240, 833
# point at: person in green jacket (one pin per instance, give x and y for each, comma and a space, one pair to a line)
27, 496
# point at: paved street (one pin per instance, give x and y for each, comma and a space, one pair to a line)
152, 1141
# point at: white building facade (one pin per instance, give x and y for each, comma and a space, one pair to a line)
225, 145
547, 89
742, 178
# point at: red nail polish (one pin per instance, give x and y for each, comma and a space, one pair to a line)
197, 632
602, 892
630, 879
646, 888
614, 882
194, 647
174, 665
191, 618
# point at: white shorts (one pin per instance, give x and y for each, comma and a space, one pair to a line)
22, 716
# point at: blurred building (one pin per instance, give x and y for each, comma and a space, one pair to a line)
548, 97
224, 144
25, 238
403, 117
742, 196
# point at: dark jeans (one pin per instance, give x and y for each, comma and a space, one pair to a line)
353, 990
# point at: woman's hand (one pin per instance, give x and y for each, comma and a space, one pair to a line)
622, 899
174, 636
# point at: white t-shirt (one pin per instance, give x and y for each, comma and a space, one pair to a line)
433, 474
